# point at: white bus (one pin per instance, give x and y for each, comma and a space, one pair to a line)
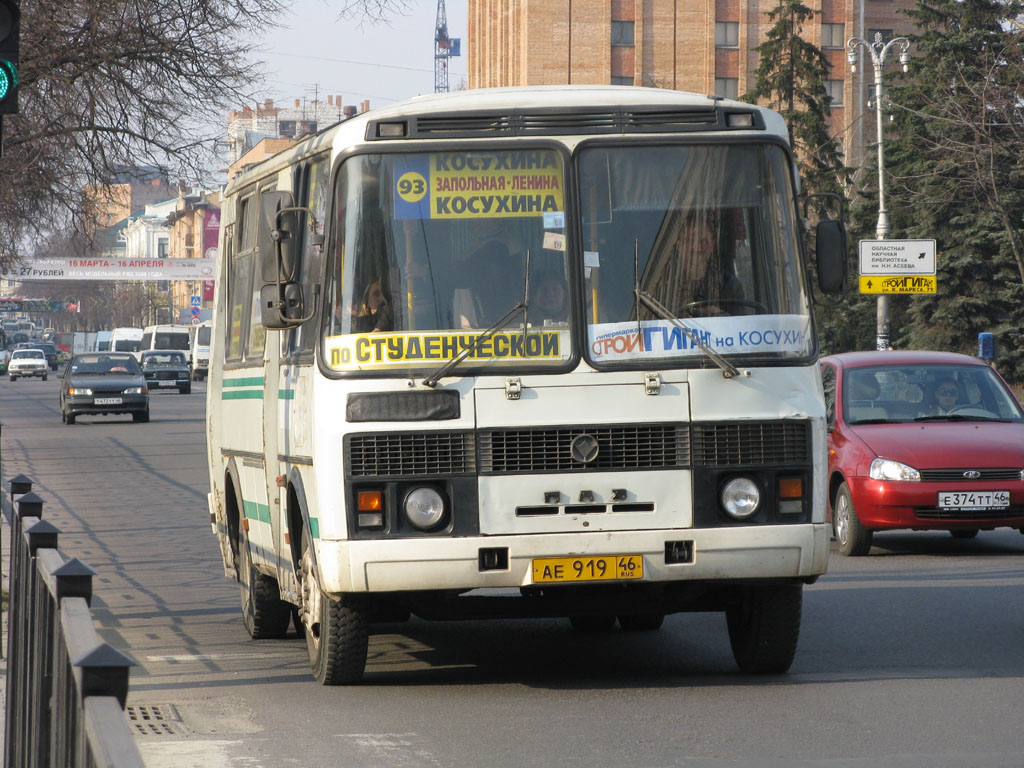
522, 353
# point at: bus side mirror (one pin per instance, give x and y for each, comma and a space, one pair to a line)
830, 252
281, 305
277, 244
276, 237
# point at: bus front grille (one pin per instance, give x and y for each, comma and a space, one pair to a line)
718, 444
550, 449
405, 454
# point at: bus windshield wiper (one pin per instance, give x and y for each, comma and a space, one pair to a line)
522, 306
728, 369
432, 379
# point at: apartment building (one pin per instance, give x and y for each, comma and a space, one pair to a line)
701, 46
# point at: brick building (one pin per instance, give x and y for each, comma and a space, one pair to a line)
704, 47
127, 191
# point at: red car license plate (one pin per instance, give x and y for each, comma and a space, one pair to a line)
974, 499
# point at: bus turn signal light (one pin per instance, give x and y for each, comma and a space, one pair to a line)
370, 501
791, 488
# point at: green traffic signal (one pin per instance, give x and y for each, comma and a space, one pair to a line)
8, 78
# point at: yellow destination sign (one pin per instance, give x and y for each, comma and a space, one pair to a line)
897, 283
376, 350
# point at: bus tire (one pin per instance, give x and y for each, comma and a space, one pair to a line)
265, 615
337, 630
764, 627
853, 538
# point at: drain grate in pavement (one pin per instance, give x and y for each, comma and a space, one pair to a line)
154, 720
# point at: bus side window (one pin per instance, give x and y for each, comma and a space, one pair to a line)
240, 279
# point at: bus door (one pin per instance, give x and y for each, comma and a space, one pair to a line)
297, 364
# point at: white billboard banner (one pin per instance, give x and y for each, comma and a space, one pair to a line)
113, 269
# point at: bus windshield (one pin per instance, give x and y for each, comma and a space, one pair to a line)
431, 250
708, 232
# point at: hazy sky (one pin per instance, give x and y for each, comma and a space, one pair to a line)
316, 52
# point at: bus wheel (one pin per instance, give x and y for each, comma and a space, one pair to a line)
764, 626
337, 631
264, 613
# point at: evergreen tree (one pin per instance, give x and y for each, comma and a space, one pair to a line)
956, 173
790, 79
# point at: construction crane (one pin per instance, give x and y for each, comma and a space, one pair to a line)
444, 48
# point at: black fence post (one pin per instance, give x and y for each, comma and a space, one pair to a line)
61, 579
19, 615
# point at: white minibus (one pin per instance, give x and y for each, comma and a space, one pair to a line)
537, 352
164, 337
126, 339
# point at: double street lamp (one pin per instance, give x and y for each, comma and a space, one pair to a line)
879, 52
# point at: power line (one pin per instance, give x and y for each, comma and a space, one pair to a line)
350, 61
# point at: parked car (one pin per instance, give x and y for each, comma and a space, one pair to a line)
99, 383
49, 351
167, 369
27, 362
920, 440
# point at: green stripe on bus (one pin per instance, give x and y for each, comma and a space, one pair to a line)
245, 394
314, 527
254, 511
286, 394
253, 381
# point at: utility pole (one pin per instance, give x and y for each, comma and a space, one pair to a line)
879, 52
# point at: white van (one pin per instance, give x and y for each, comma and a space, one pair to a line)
164, 337
103, 341
200, 351
125, 339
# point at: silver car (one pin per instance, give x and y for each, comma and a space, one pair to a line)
27, 362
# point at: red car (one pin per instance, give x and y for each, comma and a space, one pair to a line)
920, 440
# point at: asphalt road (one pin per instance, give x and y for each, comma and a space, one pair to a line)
913, 656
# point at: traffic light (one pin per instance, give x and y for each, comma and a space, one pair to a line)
10, 20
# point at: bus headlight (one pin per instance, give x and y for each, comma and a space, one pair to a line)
740, 498
424, 507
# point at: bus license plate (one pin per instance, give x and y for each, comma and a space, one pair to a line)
107, 401
548, 570
974, 499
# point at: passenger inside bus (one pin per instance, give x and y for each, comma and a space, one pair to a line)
549, 299
372, 313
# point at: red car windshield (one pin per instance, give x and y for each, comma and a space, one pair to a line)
897, 393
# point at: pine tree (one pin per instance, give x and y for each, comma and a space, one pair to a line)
956, 173
790, 79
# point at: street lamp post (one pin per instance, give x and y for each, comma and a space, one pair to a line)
879, 52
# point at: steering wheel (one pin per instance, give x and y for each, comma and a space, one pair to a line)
712, 307
977, 410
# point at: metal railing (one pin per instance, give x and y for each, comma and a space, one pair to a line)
66, 689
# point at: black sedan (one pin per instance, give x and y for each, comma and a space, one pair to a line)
98, 383
49, 352
167, 369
